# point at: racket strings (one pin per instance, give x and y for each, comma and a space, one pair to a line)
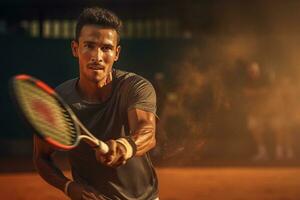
46, 113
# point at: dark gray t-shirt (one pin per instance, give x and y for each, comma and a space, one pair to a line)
134, 180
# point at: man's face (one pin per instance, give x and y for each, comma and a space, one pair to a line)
97, 49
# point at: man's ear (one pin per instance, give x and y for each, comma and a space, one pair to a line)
118, 52
74, 47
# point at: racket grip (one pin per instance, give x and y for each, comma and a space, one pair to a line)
95, 143
103, 148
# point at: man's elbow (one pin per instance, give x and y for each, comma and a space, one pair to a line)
37, 161
40, 160
152, 143
149, 145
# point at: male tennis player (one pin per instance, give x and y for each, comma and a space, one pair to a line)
117, 107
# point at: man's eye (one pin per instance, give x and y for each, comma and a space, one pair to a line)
89, 46
106, 48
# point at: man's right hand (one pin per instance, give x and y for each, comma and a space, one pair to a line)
115, 156
77, 191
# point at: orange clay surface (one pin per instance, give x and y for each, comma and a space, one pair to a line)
182, 184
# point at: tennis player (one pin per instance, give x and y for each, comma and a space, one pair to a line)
117, 107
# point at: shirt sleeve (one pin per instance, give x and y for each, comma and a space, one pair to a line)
141, 95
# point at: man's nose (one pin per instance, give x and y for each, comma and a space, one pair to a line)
98, 55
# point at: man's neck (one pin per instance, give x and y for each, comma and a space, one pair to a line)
94, 92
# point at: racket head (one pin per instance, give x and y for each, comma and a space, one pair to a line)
44, 112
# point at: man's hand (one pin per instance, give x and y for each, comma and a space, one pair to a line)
116, 155
79, 192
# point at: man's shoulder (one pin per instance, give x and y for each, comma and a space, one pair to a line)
130, 77
66, 87
123, 75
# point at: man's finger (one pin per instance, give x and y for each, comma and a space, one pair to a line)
112, 150
89, 196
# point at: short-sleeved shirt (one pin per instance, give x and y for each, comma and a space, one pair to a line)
109, 120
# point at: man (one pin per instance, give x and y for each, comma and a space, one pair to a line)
117, 107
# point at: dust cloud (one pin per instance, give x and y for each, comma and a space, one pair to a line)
236, 88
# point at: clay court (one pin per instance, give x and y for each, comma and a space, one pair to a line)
238, 183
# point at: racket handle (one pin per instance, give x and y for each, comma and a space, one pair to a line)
95, 143
90, 137
103, 147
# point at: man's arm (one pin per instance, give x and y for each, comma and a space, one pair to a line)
44, 164
42, 159
142, 126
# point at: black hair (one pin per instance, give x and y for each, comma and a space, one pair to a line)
98, 16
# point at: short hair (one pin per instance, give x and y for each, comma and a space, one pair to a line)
98, 16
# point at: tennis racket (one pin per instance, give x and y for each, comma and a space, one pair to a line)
49, 116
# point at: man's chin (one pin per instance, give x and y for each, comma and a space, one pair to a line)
99, 81
97, 78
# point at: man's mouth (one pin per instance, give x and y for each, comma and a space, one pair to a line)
95, 67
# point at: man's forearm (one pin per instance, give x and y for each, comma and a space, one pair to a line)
144, 139
50, 172
142, 125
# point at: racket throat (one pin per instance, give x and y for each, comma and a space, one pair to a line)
94, 143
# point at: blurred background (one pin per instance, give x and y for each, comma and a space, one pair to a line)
226, 73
